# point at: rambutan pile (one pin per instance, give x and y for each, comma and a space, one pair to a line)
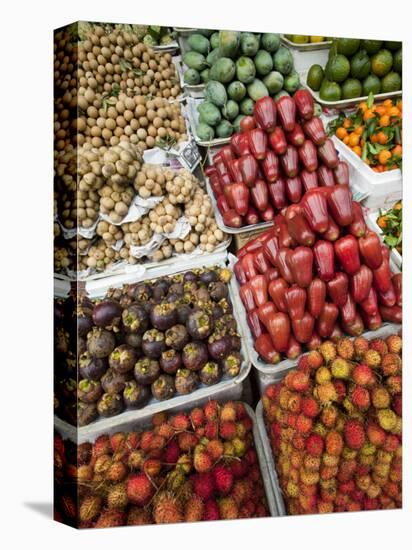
335, 427
197, 465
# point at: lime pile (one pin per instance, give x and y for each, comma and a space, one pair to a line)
357, 67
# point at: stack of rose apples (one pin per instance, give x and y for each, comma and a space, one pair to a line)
300, 286
281, 153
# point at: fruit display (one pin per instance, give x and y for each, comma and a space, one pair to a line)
149, 340
304, 39
299, 287
240, 69
374, 133
281, 153
356, 68
335, 428
159, 36
199, 465
167, 142
390, 224
131, 208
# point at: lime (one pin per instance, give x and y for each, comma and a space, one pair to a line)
348, 46
315, 77
300, 39
351, 88
393, 45
316, 39
330, 91
360, 65
381, 63
391, 83
371, 84
372, 46
397, 61
338, 68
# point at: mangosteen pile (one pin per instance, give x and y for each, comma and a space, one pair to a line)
154, 339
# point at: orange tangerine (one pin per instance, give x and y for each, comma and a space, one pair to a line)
382, 138
368, 114
384, 156
384, 121
397, 150
341, 132
354, 139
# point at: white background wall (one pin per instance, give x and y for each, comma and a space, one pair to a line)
26, 273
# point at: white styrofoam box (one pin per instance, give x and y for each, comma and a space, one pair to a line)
335, 107
374, 190
226, 228
306, 55
227, 388
371, 221
273, 476
129, 424
383, 332
193, 117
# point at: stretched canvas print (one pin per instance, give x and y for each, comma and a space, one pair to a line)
227, 274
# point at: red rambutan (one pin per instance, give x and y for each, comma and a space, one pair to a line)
309, 406
303, 364
187, 441
194, 509
272, 391
110, 518
227, 430
354, 434
180, 421
376, 434
159, 418
314, 359
211, 511
139, 489
228, 508
197, 417
360, 397
304, 424
394, 343
138, 516
300, 381
152, 467
203, 485
202, 461
101, 446
223, 479
215, 449
171, 452
117, 441
211, 430
314, 445
167, 509
334, 443
211, 410
146, 440
228, 412
329, 416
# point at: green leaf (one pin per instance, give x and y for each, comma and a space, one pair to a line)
370, 100
391, 240
364, 151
